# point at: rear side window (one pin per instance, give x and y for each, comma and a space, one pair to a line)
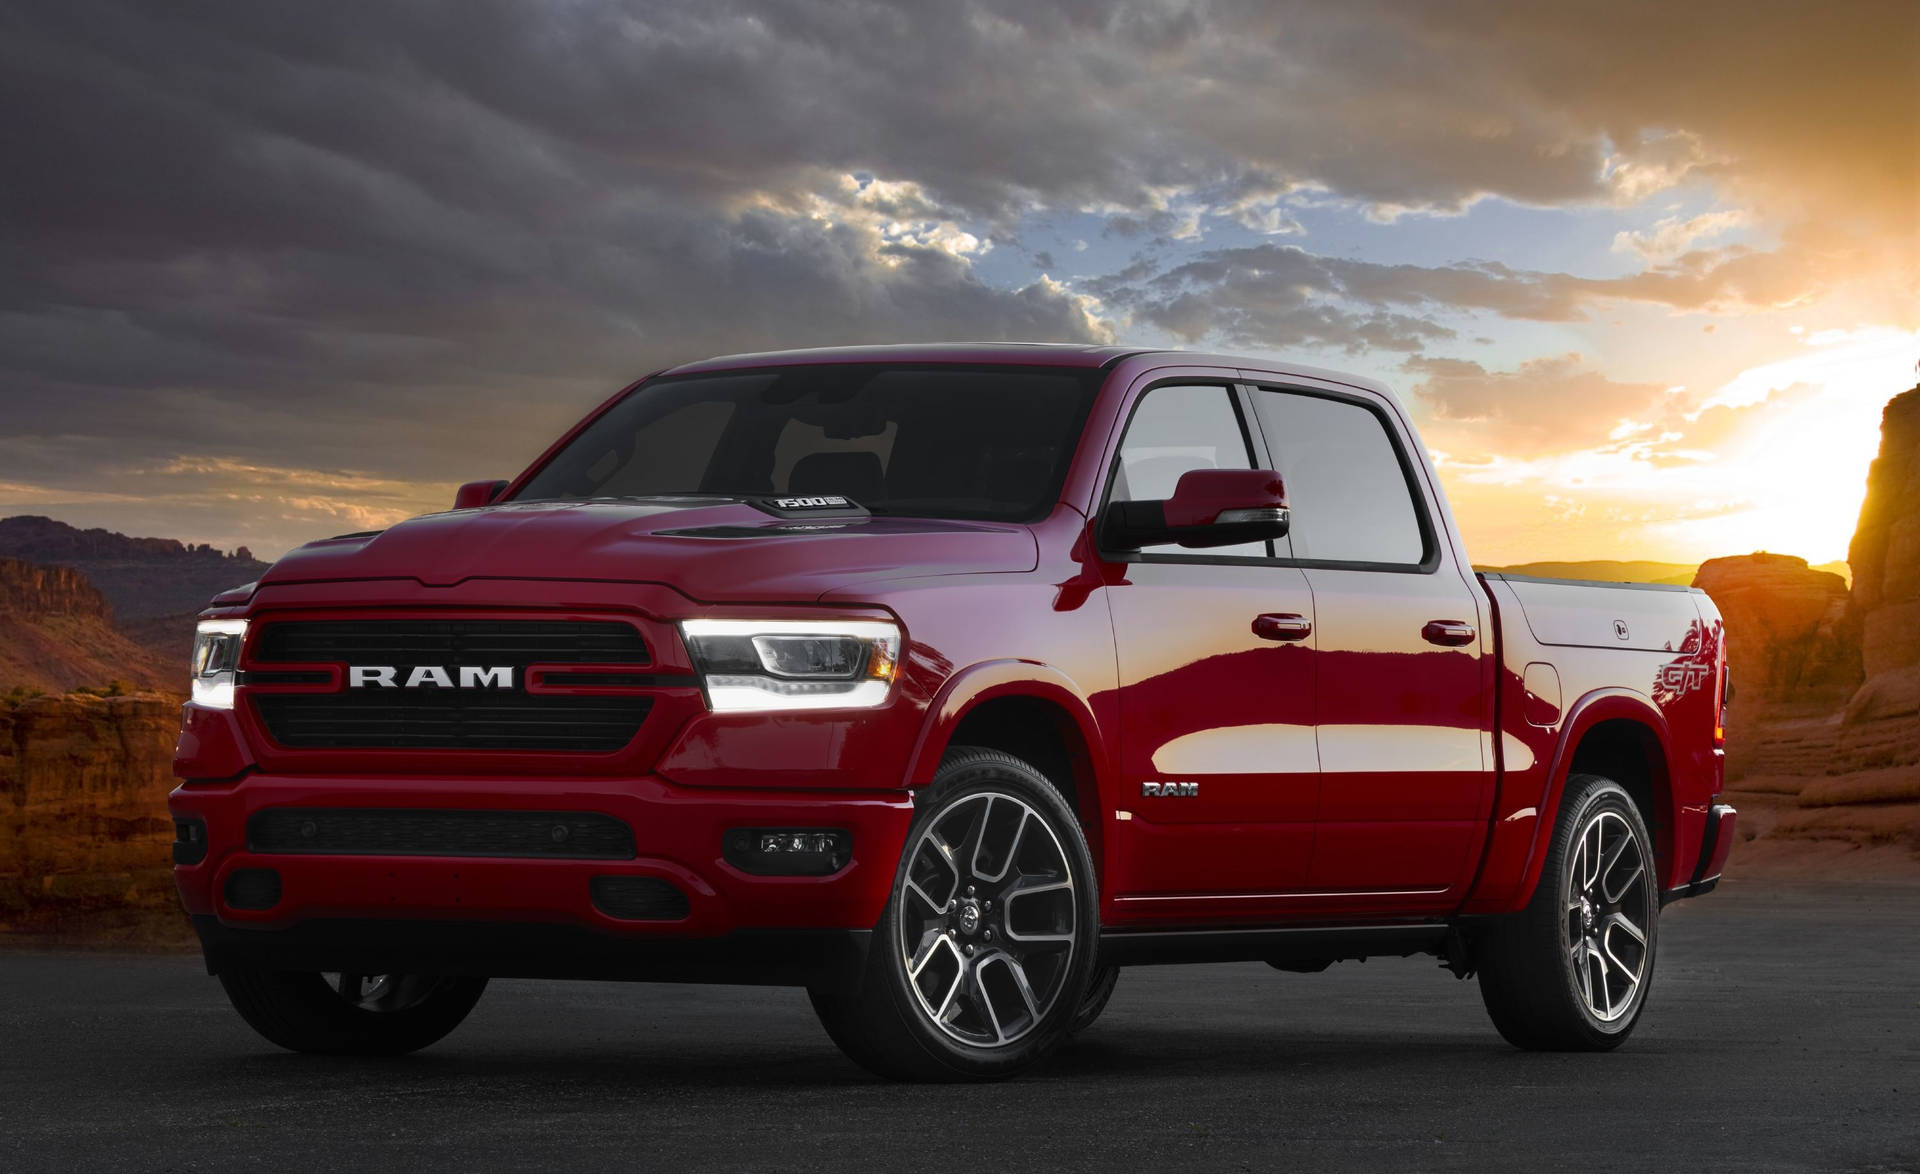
1347, 488
1174, 430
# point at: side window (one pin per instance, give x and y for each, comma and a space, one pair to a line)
1174, 430
1349, 494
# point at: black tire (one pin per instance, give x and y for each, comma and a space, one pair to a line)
1531, 962
307, 1012
890, 1026
1099, 991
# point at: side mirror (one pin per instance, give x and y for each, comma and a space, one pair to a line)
1209, 507
475, 494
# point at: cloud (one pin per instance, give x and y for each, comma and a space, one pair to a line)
1671, 237
1545, 405
415, 237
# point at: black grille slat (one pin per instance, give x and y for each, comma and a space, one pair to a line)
451, 719
429, 717
521, 642
568, 835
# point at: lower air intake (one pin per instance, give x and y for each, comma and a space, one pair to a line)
639, 898
570, 835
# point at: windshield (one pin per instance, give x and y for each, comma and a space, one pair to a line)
989, 443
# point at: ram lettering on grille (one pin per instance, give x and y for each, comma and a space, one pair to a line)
467, 676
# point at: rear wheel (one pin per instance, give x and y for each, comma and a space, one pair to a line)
1571, 971
350, 1014
982, 959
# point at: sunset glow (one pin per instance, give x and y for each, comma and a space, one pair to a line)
1644, 275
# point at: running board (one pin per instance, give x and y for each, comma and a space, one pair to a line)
1290, 944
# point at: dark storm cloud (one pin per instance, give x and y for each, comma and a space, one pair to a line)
413, 237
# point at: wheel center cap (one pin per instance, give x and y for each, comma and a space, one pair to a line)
1586, 915
969, 918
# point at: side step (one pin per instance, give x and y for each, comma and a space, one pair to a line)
1153, 947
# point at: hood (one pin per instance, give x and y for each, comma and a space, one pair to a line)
709, 550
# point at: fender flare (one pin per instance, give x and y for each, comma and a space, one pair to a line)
1606, 704
967, 689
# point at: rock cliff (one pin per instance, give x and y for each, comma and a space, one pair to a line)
57, 632
142, 577
85, 840
1794, 648
1824, 738
1882, 722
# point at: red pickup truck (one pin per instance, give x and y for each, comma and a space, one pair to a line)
946, 682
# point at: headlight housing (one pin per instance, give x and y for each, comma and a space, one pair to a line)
759, 665
216, 661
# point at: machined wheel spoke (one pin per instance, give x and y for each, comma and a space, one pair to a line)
1612, 894
1619, 921
926, 898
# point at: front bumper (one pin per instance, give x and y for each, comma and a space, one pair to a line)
536, 916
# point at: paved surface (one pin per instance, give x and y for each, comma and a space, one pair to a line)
1784, 1034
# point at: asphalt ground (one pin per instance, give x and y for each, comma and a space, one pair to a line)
1783, 1034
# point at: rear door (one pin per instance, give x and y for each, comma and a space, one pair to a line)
1217, 757
1402, 655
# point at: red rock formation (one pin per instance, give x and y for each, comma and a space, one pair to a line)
1882, 722
1788, 638
57, 632
143, 577
85, 841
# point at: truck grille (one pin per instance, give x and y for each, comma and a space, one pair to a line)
516, 642
441, 718
450, 719
571, 835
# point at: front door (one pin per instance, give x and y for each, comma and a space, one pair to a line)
1219, 773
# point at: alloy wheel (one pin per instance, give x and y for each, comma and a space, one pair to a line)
1609, 907
987, 919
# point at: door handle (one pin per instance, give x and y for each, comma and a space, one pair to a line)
1282, 626
1449, 633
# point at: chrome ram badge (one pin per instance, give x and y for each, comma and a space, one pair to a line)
468, 676
1170, 790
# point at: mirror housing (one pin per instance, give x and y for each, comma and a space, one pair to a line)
1209, 507
475, 494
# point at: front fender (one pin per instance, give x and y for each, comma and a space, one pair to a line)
971, 686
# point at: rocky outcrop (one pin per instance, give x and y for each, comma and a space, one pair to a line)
142, 577
85, 840
57, 632
1791, 639
1824, 739
1881, 727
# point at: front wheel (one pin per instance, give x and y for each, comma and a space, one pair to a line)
350, 1014
983, 957
1571, 971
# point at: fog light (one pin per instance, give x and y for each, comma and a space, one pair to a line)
789, 851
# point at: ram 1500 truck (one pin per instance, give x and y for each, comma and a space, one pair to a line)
946, 682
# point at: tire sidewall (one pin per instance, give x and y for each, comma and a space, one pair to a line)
971, 775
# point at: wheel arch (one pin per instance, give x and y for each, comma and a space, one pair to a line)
1032, 711
1620, 734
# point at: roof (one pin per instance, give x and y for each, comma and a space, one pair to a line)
1029, 354
1035, 354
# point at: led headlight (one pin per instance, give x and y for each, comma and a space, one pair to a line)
794, 664
216, 661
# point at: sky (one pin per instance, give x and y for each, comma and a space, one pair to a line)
1645, 274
